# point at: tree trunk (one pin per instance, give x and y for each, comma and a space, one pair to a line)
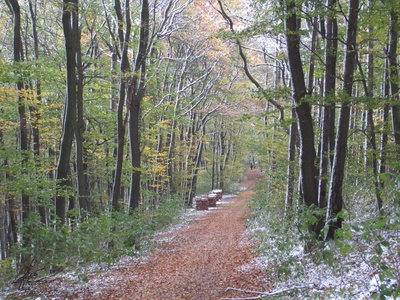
314, 39
303, 110
81, 164
224, 155
23, 130
328, 119
335, 202
196, 163
291, 158
121, 122
370, 138
35, 108
308, 171
5, 229
136, 94
70, 27
394, 74
384, 135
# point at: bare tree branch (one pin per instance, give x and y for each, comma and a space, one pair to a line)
263, 294
244, 60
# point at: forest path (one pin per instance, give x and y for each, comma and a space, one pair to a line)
197, 261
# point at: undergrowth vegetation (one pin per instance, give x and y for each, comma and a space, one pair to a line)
96, 241
362, 262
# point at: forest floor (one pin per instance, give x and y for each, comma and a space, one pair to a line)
202, 256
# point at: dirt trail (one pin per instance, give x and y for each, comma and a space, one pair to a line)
196, 261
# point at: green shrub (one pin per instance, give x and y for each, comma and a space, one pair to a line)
100, 240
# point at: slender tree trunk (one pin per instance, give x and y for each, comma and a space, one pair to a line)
4, 203
35, 108
225, 154
291, 158
81, 164
10, 207
335, 202
121, 121
394, 74
3, 228
328, 118
370, 138
372, 145
311, 70
23, 130
214, 162
196, 164
385, 117
171, 155
172, 135
222, 154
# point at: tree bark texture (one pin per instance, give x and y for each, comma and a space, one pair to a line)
136, 94
394, 74
35, 111
70, 27
303, 111
23, 130
335, 202
82, 178
328, 118
121, 122
291, 158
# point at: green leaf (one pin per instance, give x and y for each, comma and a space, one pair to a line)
378, 249
328, 257
380, 224
384, 267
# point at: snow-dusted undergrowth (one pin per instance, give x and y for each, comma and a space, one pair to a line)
362, 263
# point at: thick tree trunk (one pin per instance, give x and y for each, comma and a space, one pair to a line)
136, 94
70, 27
335, 202
134, 137
308, 171
303, 111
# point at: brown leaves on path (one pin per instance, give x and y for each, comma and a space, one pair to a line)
198, 261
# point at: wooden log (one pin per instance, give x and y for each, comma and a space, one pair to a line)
201, 203
218, 192
212, 200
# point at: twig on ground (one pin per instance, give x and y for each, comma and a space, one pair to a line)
262, 294
250, 298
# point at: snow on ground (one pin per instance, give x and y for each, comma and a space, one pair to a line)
191, 214
354, 276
